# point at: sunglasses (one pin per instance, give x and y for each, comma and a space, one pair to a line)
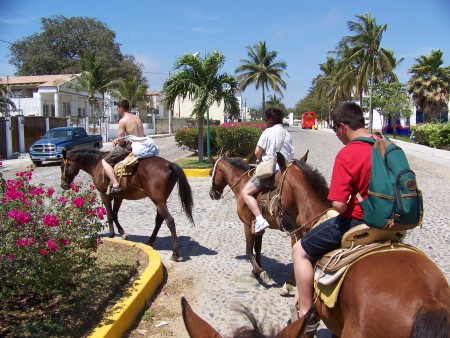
335, 127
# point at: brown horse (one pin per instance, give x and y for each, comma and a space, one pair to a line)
199, 328
153, 177
388, 294
235, 174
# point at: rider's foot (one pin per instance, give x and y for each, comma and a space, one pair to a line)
115, 190
313, 324
261, 225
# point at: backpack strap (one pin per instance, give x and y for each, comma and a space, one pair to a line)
368, 140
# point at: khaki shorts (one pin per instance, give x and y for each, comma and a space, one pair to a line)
116, 155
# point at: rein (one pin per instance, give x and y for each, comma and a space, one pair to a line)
290, 221
231, 185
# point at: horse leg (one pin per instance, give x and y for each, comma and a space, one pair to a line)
158, 221
170, 222
288, 285
109, 213
249, 245
117, 202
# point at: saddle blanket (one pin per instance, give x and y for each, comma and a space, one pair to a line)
327, 284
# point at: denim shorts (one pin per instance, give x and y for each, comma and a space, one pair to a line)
327, 236
264, 183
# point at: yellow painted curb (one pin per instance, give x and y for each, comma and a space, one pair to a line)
124, 313
197, 172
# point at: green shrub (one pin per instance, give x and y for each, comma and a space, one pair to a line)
230, 140
436, 135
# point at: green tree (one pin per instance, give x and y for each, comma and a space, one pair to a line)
262, 70
374, 62
199, 80
332, 85
275, 102
6, 104
391, 100
430, 84
130, 88
62, 42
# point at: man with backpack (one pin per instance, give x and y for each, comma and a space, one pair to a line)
351, 174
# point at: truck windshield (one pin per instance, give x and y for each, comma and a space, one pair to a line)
67, 134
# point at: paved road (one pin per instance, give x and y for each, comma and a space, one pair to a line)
214, 251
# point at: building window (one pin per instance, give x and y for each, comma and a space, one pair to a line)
81, 112
66, 108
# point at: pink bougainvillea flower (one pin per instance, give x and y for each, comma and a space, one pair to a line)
50, 220
37, 191
43, 251
78, 202
74, 187
50, 192
11, 257
63, 199
21, 217
101, 212
24, 242
64, 241
52, 245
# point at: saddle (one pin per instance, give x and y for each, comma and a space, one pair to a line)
126, 166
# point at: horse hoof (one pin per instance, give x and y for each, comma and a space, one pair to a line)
266, 278
285, 290
174, 258
125, 237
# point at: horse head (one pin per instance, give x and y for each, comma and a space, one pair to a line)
197, 327
217, 180
69, 169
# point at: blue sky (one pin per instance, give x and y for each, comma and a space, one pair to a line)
302, 32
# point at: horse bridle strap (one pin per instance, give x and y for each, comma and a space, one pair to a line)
231, 185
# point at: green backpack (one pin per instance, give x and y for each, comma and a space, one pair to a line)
394, 201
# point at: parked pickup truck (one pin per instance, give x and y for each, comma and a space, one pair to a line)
51, 145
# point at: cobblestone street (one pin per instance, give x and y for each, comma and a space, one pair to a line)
214, 251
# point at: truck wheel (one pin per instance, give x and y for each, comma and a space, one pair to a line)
37, 163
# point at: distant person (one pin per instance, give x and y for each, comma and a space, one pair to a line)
351, 173
273, 138
129, 124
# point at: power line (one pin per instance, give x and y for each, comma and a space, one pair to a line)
5, 41
23, 16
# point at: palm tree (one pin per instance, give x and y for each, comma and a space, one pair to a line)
430, 84
198, 79
374, 62
130, 88
275, 101
94, 77
262, 70
333, 85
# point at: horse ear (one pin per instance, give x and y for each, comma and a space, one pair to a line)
213, 160
305, 157
281, 161
196, 326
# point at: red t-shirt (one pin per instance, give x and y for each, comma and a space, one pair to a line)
351, 174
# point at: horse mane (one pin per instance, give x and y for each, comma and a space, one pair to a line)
89, 158
256, 330
315, 179
237, 162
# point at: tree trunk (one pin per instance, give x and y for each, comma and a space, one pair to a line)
201, 121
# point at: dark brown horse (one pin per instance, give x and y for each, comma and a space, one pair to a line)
235, 174
199, 328
388, 294
153, 177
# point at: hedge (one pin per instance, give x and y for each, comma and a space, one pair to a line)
228, 139
436, 135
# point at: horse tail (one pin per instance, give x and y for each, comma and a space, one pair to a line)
184, 190
431, 323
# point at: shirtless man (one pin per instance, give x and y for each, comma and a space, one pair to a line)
129, 124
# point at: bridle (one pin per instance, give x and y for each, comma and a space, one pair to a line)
287, 222
231, 185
